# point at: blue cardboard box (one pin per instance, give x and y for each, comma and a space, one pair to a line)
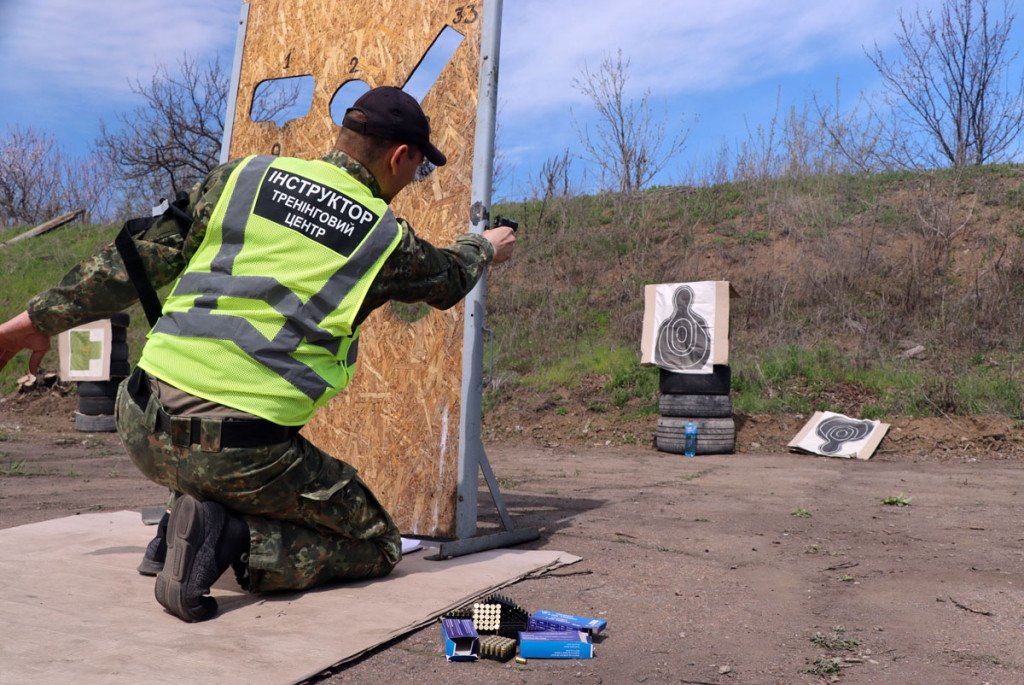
552, 620
555, 644
461, 641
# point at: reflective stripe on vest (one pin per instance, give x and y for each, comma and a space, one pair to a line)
302, 321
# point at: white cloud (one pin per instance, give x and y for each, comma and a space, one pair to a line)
678, 46
97, 47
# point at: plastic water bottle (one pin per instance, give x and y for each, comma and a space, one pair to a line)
690, 439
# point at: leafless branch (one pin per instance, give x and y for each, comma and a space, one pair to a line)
952, 83
630, 144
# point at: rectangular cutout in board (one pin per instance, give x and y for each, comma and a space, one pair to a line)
686, 326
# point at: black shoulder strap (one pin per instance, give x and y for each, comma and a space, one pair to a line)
178, 211
125, 244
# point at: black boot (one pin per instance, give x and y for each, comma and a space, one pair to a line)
156, 550
203, 540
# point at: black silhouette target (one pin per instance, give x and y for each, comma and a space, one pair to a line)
836, 431
683, 339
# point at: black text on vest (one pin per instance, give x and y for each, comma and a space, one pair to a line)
319, 212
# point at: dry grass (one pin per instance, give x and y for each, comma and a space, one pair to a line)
865, 265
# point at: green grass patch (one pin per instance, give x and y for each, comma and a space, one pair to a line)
899, 500
834, 640
13, 468
568, 370
823, 666
752, 237
35, 264
627, 382
794, 379
630, 381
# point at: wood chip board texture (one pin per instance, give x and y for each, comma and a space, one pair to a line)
73, 610
398, 422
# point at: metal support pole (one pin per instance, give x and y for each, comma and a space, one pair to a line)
470, 444
236, 75
472, 458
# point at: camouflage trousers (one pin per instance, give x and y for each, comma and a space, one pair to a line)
311, 519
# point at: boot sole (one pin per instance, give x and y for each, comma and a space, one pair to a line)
185, 534
150, 568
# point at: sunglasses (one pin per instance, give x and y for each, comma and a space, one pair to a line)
424, 170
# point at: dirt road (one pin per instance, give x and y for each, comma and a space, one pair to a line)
751, 568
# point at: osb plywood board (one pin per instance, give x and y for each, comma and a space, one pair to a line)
398, 422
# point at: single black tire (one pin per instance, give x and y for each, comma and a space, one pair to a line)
95, 424
704, 446
120, 320
677, 424
119, 352
715, 383
714, 435
95, 406
712, 406
97, 388
118, 334
120, 368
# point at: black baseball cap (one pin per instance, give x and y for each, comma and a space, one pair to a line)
393, 114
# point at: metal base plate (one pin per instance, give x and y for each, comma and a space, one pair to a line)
479, 543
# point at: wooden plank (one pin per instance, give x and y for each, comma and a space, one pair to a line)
45, 227
398, 422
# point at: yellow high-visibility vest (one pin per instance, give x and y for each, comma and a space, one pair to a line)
262, 318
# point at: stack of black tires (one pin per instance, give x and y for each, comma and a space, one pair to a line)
701, 398
96, 398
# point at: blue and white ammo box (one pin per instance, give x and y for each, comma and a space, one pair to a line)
552, 620
556, 644
461, 641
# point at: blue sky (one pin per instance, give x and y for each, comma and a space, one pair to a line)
718, 64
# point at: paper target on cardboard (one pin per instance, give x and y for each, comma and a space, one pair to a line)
834, 435
84, 352
686, 326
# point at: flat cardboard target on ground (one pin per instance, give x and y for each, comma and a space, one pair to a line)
398, 422
834, 435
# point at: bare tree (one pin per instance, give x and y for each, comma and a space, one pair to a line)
953, 84
173, 138
629, 144
39, 181
861, 139
553, 179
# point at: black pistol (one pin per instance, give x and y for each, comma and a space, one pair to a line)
500, 220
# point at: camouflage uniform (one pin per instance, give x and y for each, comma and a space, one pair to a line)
311, 518
99, 287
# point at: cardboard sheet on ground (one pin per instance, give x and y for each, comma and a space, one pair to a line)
834, 435
73, 609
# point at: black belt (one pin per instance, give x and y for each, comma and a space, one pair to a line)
211, 434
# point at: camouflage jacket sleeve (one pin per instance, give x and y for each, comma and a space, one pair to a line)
419, 272
99, 286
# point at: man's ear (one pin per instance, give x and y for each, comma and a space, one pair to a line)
397, 153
